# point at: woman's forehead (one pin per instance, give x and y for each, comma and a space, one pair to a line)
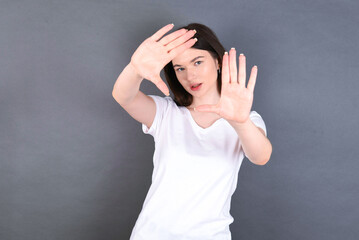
188, 55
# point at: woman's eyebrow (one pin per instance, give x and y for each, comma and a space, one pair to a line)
194, 59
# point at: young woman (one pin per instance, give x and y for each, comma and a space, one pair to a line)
201, 135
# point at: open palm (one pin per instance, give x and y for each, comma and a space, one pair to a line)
236, 99
156, 51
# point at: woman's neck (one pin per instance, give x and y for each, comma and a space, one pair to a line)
212, 99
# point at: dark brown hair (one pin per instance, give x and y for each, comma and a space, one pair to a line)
207, 40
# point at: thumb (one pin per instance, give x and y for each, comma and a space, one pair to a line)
207, 108
160, 84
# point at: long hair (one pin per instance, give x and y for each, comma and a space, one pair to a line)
206, 40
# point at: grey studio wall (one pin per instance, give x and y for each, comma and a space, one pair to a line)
75, 165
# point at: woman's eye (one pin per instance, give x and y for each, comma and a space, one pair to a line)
180, 69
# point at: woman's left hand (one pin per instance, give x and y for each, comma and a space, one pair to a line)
236, 99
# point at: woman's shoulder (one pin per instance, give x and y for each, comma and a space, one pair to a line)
166, 103
166, 99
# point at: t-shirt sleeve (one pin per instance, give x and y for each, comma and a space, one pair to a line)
161, 106
258, 121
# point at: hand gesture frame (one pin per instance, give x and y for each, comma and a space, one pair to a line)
156, 52
236, 99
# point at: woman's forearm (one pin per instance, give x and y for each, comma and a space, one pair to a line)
127, 85
255, 144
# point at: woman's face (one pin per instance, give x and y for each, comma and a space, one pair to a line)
195, 66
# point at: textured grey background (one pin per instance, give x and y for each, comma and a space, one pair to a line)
75, 165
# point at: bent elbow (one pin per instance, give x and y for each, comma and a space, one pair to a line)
264, 162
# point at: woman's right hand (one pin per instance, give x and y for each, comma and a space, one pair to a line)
154, 54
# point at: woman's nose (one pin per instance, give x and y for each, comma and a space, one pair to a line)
191, 74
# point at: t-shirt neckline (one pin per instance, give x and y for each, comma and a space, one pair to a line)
194, 123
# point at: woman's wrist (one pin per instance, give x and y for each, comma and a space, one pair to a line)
134, 70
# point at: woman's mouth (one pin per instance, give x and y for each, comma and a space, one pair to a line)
196, 87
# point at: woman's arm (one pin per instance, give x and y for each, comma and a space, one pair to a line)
255, 144
127, 85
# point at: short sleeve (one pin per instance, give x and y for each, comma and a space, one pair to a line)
161, 107
258, 121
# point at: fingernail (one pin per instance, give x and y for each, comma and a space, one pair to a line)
194, 30
233, 48
241, 54
225, 53
195, 39
172, 24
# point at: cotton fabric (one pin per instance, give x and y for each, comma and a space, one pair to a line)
194, 177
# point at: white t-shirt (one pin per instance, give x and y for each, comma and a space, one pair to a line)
194, 176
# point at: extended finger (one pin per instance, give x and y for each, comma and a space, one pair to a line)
180, 40
225, 69
157, 35
233, 65
252, 78
208, 108
160, 84
242, 70
169, 38
181, 48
